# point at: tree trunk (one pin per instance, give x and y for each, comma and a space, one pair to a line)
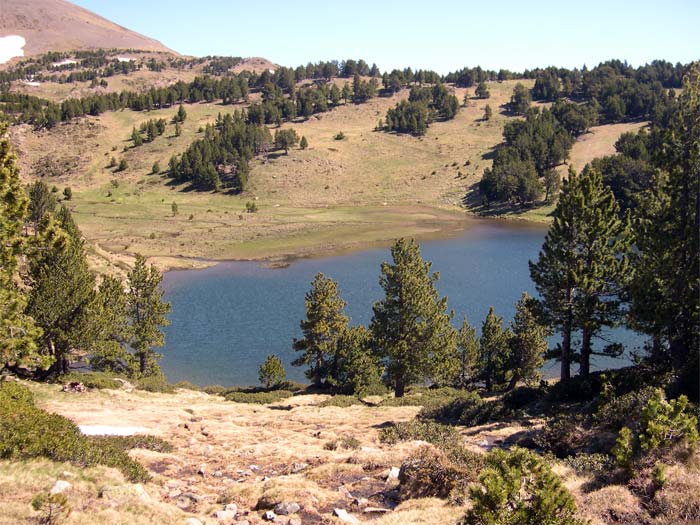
399, 388
142, 362
566, 351
585, 365
514, 381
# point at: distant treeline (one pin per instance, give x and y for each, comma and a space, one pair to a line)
609, 93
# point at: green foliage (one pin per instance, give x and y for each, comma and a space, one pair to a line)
583, 266
339, 136
547, 85
341, 400
520, 100
251, 207
154, 383
18, 332
424, 105
528, 343
355, 368
442, 436
324, 324
518, 488
41, 201
155, 169
494, 352
125, 443
562, 435
482, 90
174, 209
411, 326
488, 113
285, 139
67, 193
468, 348
271, 372
303, 143
98, 380
29, 432
52, 508
259, 397
147, 313
590, 464
123, 165
662, 425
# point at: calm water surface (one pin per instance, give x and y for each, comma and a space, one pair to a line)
226, 319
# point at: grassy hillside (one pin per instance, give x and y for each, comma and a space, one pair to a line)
368, 188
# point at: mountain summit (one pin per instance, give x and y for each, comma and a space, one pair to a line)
58, 25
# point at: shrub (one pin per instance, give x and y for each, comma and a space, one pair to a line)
67, 193
251, 207
260, 398
340, 401
123, 165
595, 464
52, 508
442, 436
155, 383
350, 442
98, 380
620, 411
339, 136
523, 396
431, 473
561, 435
467, 409
271, 372
125, 443
518, 487
29, 432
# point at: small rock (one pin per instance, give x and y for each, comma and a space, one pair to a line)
346, 517
224, 515
60, 487
393, 473
254, 468
192, 521
217, 474
294, 521
361, 502
244, 522
175, 493
269, 516
286, 508
298, 467
202, 470
232, 507
375, 510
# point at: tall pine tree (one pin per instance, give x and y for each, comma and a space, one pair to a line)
528, 345
494, 352
325, 322
411, 325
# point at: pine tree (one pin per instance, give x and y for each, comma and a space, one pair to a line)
147, 311
411, 325
355, 368
529, 343
181, 114
303, 144
325, 322
178, 129
494, 352
468, 354
665, 290
488, 112
482, 91
113, 331
62, 297
136, 137
582, 265
271, 373
41, 201
347, 92
18, 332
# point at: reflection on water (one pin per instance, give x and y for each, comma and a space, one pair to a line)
226, 319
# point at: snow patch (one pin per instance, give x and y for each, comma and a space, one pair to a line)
125, 59
31, 83
109, 430
64, 62
11, 47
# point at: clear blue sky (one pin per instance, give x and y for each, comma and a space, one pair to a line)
443, 35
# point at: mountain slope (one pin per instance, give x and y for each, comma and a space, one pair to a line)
58, 25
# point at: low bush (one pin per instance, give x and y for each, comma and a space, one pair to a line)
624, 410
260, 397
98, 380
591, 464
155, 383
340, 401
442, 436
186, 385
29, 432
468, 409
563, 435
125, 443
518, 487
432, 473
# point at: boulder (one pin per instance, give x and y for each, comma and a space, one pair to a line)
60, 487
346, 517
287, 508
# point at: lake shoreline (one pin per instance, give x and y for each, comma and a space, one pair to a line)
437, 230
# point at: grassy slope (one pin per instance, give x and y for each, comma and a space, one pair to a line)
369, 188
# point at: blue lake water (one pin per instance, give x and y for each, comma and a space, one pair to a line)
227, 318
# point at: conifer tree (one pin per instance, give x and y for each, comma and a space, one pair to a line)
355, 368
271, 373
136, 137
62, 297
146, 310
468, 355
411, 325
582, 266
494, 352
528, 345
18, 332
181, 114
325, 322
482, 91
665, 291
488, 112
303, 143
41, 201
113, 331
